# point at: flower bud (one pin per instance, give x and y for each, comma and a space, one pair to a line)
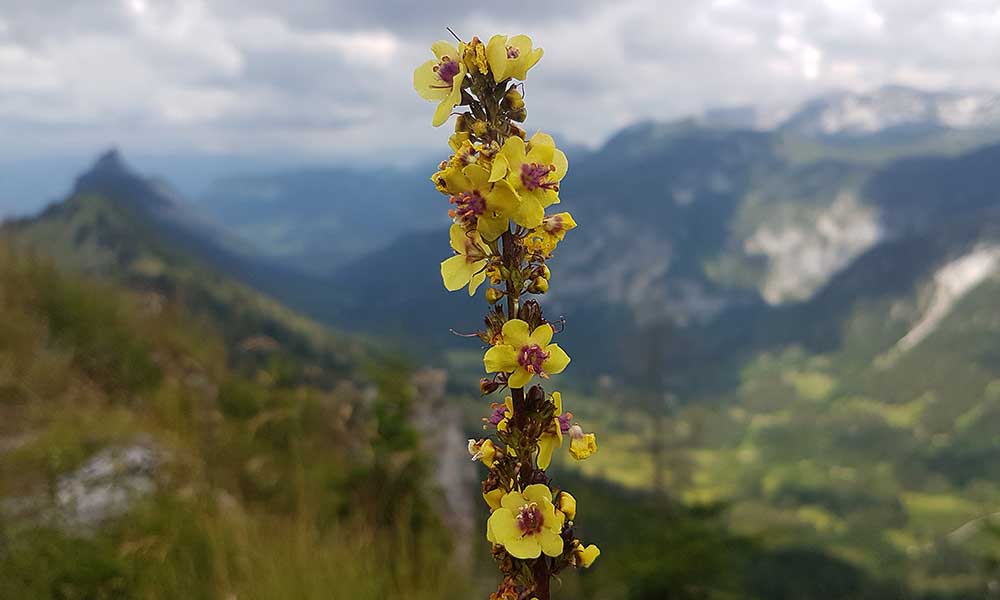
493, 295
539, 286
567, 504
479, 128
586, 556
487, 386
544, 272
513, 99
531, 313
463, 123
519, 115
535, 395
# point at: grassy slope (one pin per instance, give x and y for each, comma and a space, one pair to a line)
272, 485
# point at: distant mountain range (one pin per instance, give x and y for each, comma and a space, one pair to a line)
830, 292
679, 221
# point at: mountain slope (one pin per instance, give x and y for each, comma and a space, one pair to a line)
141, 459
319, 219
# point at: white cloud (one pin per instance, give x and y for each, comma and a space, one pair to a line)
327, 80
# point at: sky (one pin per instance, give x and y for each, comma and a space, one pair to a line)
331, 80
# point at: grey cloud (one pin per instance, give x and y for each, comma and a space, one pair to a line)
331, 79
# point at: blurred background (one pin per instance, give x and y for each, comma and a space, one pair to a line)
225, 362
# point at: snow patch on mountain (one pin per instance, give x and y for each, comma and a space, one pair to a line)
950, 283
893, 107
801, 257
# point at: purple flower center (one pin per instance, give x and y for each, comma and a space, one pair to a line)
530, 519
565, 420
468, 207
499, 414
513, 52
534, 176
531, 358
446, 70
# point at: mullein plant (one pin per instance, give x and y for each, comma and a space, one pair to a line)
500, 184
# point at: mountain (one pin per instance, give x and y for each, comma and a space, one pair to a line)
894, 111
319, 219
115, 221
170, 411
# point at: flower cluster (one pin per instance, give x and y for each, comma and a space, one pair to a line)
500, 183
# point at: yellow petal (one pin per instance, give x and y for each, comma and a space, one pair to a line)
561, 164
530, 212
499, 168
426, 81
542, 139
546, 446
500, 359
492, 498
513, 150
586, 556
457, 238
567, 504
502, 526
515, 333
584, 447
478, 176
478, 277
519, 378
557, 400
525, 547
492, 227
542, 335
502, 198
456, 272
442, 48
537, 492
496, 55
551, 542
513, 501
557, 360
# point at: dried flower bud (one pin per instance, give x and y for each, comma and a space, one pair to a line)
493, 295
488, 386
531, 313
513, 100
535, 395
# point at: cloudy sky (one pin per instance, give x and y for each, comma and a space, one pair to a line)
331, 80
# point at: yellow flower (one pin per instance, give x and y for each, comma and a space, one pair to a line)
534, 170
469, 265
524, 354
511, 57
551, 438
582, 445
567, 504
545, 237
479, 204
483, 450
586, 556
441, 80
527, 523
493, 497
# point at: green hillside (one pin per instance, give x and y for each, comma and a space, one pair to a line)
225, 477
